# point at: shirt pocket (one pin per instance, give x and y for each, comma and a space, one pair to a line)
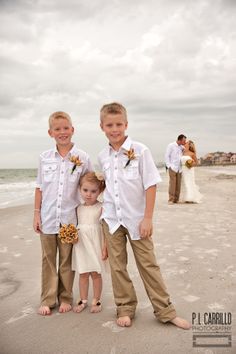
49, 172
132, 170
107, 169
75, 175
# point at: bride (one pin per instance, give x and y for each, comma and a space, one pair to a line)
190, 190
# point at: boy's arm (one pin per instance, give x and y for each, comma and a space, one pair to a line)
37, 211
145, 227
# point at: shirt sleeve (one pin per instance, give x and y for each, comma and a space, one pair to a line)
167, 156
38, 183
149, 171
88, 166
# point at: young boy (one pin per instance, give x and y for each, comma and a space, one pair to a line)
56, 199
131, 177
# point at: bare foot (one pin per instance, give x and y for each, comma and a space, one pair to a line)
124, 321
80, 307
181, 323
44, 311
96, 307
64, 307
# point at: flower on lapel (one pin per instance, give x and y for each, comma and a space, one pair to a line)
131, 156
76, 161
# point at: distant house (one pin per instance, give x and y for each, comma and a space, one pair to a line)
233, 158
218, 158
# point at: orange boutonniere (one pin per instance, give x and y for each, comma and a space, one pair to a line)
76, 161
131, 156
68, 233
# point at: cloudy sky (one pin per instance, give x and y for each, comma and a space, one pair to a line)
172, 63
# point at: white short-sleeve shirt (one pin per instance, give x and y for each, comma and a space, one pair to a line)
124, 196
60, 187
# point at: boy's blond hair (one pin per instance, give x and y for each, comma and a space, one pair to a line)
113, 108
59, 115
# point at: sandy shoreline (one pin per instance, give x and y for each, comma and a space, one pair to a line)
195, 246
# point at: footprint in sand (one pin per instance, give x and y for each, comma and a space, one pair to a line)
8, 285
112, 326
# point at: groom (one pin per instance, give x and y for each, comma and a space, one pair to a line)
173, 155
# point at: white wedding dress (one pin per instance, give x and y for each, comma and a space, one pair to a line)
189, 189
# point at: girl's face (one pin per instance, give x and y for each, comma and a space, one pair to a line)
89, 192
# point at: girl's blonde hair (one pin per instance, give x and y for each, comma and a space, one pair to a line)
93, 177
192, 146
59, 115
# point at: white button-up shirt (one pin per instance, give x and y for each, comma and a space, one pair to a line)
173, 156
124, 196
60, 192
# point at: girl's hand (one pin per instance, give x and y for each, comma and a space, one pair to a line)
37, 223
145, 228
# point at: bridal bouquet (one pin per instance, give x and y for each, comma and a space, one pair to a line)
189, 163
68, 233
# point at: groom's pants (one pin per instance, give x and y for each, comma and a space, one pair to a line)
123, 289
174, 185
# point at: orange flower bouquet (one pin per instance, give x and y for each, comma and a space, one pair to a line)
189, 163
68, 233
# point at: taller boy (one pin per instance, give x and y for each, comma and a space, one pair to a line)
129, 198
56, 199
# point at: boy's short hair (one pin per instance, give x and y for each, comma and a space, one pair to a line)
59, 115
113, 108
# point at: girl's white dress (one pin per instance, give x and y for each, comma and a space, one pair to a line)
87, 253
189, 189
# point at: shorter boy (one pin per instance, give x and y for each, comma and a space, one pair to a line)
131, 177
56, 199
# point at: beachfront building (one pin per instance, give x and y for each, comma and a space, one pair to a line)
218, 158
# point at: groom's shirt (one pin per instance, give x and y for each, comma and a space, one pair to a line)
173, 156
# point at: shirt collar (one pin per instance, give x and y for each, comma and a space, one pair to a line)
70, 153
126, 145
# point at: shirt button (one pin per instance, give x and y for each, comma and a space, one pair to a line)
62, 171
116, 195
115, 181
115, 155
116, 168
59, 206
118, 208
61, 183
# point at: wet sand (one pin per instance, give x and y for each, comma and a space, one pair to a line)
195, 247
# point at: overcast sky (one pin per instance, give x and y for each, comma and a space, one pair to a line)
172, 63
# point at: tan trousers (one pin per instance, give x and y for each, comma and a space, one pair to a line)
174, 185
123, 289
56, 284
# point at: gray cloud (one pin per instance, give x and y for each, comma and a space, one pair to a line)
172, 63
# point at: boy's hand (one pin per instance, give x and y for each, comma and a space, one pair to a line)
104, 253
37, 223
145, 228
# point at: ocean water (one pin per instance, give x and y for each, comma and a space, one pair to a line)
17, 187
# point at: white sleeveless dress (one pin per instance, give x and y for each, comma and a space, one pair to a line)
87, 253
189, 189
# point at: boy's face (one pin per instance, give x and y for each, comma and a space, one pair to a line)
114, 126
61, 130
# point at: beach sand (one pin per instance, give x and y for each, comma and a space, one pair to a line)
195, 247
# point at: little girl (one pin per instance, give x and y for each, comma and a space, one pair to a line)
89, 253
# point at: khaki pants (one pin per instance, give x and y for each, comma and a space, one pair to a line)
124, 292
174, 185
56, 284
